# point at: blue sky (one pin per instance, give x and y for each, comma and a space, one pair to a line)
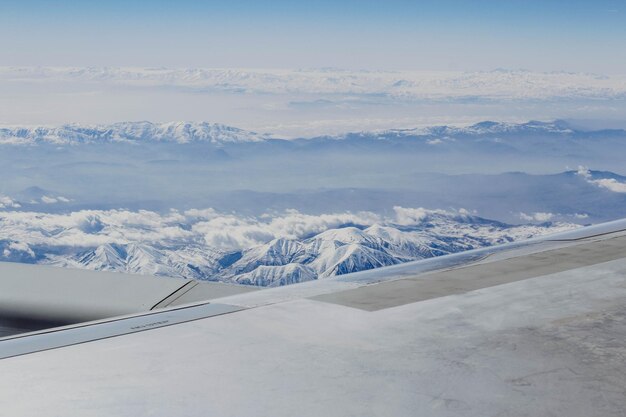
393, 34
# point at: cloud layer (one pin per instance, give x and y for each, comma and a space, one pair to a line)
499, 84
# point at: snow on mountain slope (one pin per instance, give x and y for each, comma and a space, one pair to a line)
183, 245
276, 275
557, 128
277, 252
104, 258
352, 258
138, 258
350, 249
131, 132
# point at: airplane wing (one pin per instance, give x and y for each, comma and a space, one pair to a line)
534, 328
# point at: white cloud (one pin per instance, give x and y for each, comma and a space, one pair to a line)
87, 228
7, 202
208, 213
536, 217
198, 228
231, 232
414, 216
93, 227
583, 172
465, 212
18, 247
434, 141
296, 225
46, 199
610, 184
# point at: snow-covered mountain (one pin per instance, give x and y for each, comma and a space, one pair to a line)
558, 129
141, 258
130, 132
284, 250
482, 128
214, 134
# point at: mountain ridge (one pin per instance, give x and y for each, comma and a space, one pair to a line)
216, 134
130, 132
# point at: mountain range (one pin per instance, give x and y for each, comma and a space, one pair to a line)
502, 171
497, 133
129, 132
180, 246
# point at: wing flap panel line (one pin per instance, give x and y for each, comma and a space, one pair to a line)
176, 294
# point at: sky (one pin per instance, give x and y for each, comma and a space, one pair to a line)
548, 35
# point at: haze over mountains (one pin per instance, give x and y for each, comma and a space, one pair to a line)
495, 169
209, 201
